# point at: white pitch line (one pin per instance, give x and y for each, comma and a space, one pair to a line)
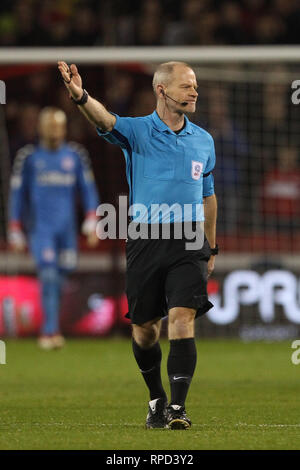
212, 425
269, 425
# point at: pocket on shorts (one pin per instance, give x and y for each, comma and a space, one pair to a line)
206, 251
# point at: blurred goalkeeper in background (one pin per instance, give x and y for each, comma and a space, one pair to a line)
44, 184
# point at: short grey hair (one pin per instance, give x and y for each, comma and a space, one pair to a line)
163, 73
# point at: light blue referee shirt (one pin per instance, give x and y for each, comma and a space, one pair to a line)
168, 174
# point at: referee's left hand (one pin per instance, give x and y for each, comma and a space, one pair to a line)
210, 265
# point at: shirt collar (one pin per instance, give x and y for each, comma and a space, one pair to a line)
162, 127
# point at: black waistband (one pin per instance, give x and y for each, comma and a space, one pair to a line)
173, 231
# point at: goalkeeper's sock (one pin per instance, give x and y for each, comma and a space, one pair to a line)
181, 366
51, 281
149, 361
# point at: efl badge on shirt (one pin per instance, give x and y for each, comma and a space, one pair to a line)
67, 163
196, 169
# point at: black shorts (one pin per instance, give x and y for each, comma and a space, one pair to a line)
162, 274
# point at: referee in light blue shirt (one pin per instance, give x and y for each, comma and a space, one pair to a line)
169, 163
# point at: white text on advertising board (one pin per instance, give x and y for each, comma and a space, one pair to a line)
245, 287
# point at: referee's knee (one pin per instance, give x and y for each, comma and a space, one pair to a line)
146, 335
181, 322
182, 315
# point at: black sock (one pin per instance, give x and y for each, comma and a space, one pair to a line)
181, 365
149, 361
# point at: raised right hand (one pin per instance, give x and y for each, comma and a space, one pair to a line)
71, 73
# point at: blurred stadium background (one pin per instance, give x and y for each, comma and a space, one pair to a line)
246, 57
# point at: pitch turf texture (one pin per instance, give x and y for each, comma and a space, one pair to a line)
90, 396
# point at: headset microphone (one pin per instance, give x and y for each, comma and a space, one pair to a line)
184, 103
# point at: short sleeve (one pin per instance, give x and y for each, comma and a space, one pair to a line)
122, 133
208, 179
208, 185
212, 158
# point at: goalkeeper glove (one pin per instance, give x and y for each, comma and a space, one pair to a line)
16, 237
88, 229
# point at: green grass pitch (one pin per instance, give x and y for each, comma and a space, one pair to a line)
90, 396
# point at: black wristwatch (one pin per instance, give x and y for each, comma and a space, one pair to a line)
82, 100
214, 251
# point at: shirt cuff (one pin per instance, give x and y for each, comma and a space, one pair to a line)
91, 214
15, 225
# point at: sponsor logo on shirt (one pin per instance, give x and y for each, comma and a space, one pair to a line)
56, 178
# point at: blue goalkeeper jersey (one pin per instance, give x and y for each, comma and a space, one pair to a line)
168, 173
44, 185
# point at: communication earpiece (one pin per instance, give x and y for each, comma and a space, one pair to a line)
170, 97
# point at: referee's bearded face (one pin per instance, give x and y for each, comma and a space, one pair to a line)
183, 88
